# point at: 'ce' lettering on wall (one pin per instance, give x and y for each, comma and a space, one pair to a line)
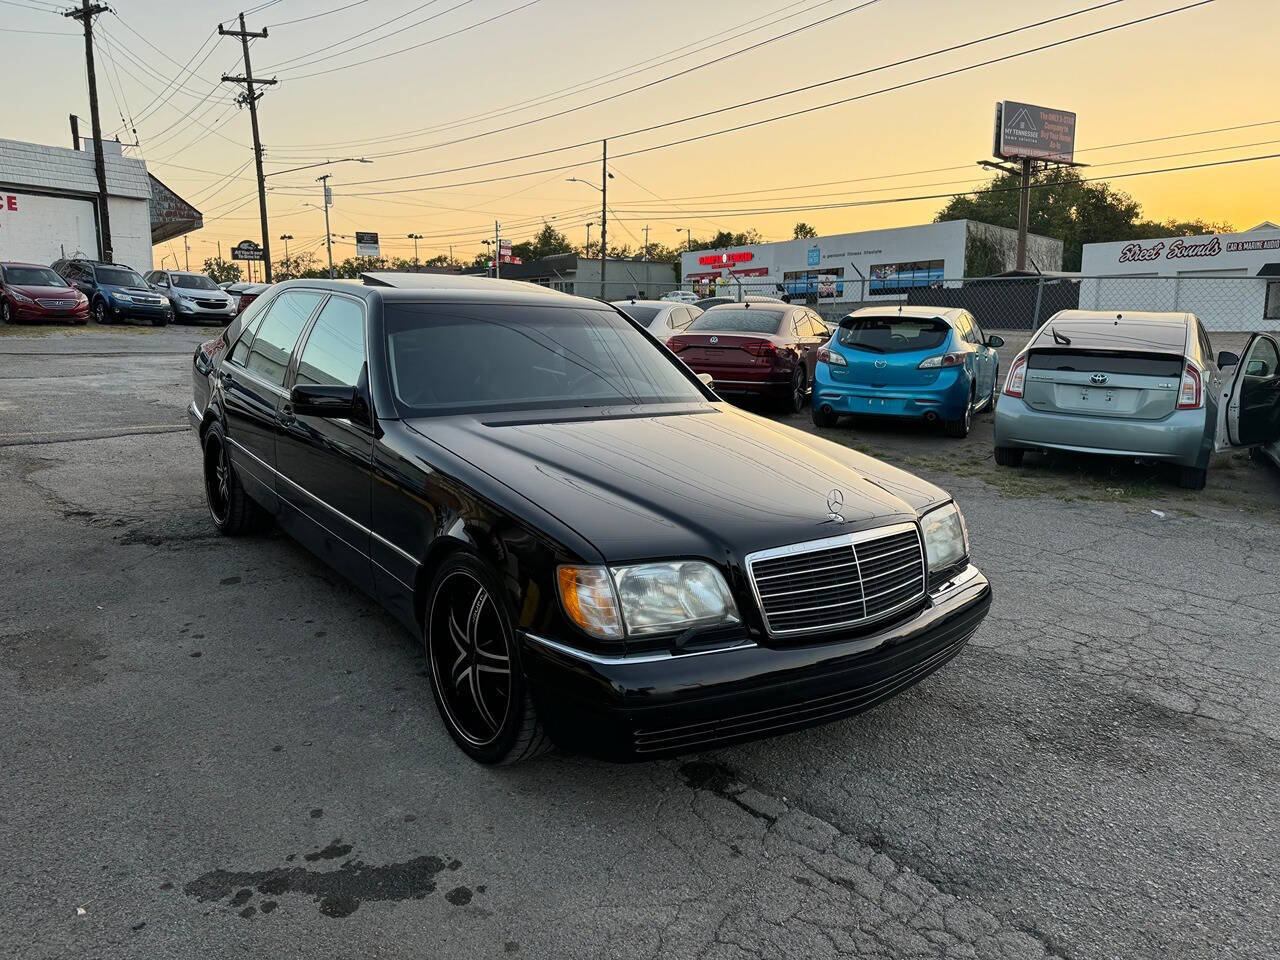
8, 202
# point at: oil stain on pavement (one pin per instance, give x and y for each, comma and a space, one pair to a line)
339, 892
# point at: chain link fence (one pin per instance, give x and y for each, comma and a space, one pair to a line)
1226, 304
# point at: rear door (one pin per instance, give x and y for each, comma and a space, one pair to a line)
1253, 395
1137, 385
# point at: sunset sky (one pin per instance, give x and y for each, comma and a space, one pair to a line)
1201, 69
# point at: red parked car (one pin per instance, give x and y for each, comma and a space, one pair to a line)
30, 293
756, 349
245, 293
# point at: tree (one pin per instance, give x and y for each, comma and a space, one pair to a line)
222, 271
548, 242
1063, 206
803, 231
299, 265
726, 238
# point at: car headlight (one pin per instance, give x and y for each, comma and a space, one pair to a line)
122, 297
946, 538
20, 297
645, 598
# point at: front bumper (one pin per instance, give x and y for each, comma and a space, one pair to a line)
198, 314
139, 311
1181, 437
635, 708
946, 398
27, 313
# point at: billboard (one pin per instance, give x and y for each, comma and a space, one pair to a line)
367, 244
814, 284
1024, 130
892, 277
247, 250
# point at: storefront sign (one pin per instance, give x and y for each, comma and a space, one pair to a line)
1177, 250
1025, 130
367, 244
814, 257
8, 203
724, 259
247, 250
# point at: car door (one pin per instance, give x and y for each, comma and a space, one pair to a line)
324, 464
985, 358
1252, 394
251, 382
815, 335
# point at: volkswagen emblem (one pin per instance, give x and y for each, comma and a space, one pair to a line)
715, 339
1098, 378
835, 502
882, 363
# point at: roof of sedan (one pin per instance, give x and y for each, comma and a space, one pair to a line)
417, 287
641, 302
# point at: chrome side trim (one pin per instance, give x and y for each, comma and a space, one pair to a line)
337, 513
637, 658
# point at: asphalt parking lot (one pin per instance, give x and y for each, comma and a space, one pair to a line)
215, 747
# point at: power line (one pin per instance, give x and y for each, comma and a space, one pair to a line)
315, 16
337, 43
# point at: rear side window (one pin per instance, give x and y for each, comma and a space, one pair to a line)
334, 353
1119, 361
240, 352
269, 355
641, 315
892, 334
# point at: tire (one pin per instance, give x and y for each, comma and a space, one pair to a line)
473, 661
232, 510
793, 402
1009, 456
1192, 478
6, 315
822, 419
99, 312
995, 391
958, 429
160, 321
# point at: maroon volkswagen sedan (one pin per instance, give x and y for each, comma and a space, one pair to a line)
755, 349
30, 293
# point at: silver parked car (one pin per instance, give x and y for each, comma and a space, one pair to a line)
1144, 385
194, 296
662, 317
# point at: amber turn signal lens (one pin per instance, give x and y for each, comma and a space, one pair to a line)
589, 601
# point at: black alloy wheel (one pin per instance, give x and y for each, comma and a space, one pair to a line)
100, 312
475, 668
6, 316
230, 508
794, 401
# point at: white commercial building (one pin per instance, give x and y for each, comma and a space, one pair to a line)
1231, 281
871, 266
49, 205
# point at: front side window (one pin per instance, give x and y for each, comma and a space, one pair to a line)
1272, 310
451, 358
892, 334
269, 355
740, 319
334, 352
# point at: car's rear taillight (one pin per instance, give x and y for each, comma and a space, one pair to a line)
1190, 394
826, 356
1017, 378
942, 360
760, 348
676, 344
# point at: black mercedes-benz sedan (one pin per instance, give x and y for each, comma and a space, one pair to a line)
594, 549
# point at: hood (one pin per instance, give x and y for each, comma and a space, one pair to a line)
193, 293
706, 480
29, 290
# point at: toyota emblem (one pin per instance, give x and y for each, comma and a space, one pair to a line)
1098, 378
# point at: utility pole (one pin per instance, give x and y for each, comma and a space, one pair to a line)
1024, 212
587, 248
646, 241
497, 250
85, 15
328, 237
251, 97
604, 209
415, 237
186, 247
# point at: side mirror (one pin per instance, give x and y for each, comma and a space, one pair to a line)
994, 341
323, 400
1227, 359
707, 379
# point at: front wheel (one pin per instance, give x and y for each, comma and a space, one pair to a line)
160, 321
1009, 456
1192, 478
6, 315
99, 312
476, 674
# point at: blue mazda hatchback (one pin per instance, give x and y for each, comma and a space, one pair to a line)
927, 362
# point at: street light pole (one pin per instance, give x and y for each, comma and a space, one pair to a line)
328, 237
415, 237
497, 250
604, 210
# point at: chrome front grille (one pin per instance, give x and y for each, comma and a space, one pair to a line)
840, 581
57, 304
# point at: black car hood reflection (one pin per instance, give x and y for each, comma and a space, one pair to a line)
694, 480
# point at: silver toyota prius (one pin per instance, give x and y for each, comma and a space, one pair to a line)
1144, 385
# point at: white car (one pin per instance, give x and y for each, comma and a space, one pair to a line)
681, 296
662, 317
193, 296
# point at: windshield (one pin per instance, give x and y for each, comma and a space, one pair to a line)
119, 277
453, 358
193, 281
746, 319
33, 277
638, 313
892, 334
